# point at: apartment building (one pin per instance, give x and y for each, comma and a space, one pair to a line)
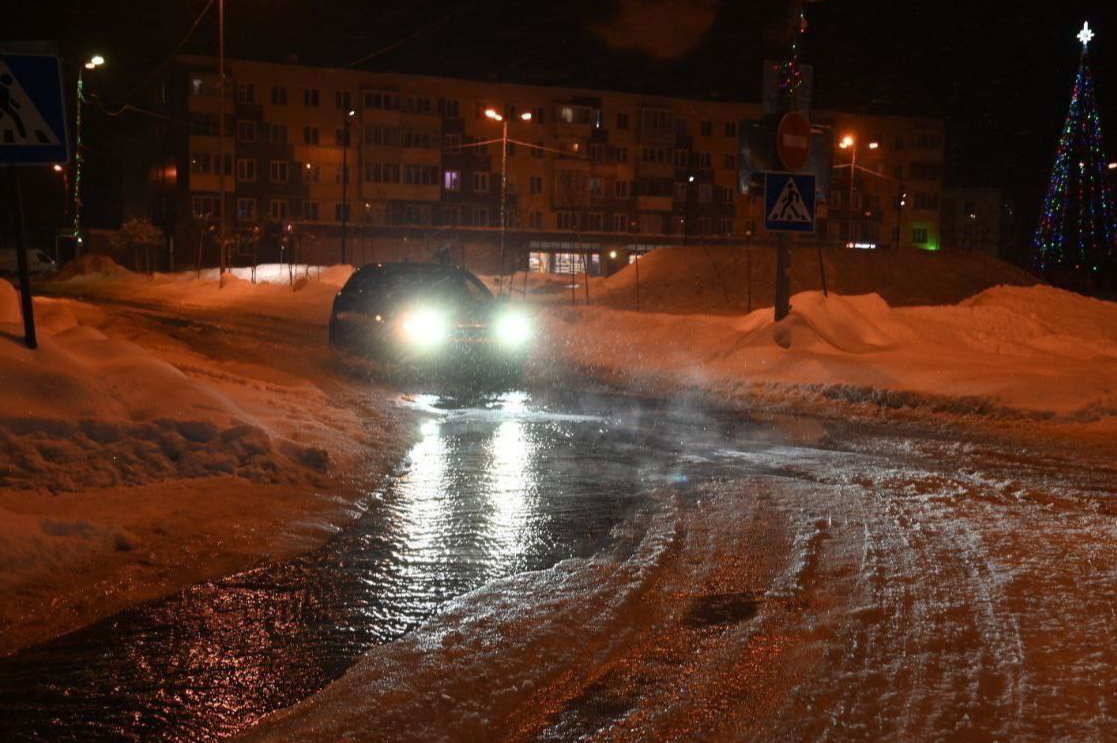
978, 220
412, 167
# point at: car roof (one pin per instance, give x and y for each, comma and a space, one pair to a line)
411, 268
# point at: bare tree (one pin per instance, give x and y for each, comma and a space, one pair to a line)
138, 237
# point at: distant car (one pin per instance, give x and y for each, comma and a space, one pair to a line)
429, 318
38, 262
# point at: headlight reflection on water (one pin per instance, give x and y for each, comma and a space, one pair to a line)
477, 511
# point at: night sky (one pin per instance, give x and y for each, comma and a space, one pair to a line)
998, 72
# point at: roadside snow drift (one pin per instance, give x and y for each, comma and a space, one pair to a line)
86, 411
1037, 351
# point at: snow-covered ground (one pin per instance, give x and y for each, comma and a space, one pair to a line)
1010, 353
139, 451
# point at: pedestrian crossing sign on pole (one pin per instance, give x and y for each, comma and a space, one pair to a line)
32, 109
789, 202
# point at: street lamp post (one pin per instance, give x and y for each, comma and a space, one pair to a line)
222, 229
93, 63
492, 114
686, 209
345, 183
849, 143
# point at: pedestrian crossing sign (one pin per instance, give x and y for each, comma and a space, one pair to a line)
32, 111
789, 202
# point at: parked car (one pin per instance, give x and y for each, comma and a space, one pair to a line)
38, 262
428, 318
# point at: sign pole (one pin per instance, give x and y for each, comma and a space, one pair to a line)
16, 200
783, 275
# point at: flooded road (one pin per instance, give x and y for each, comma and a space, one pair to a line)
493, 488
599, 568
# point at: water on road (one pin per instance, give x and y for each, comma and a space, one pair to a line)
555, 568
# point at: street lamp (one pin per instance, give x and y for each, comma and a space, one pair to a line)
345, 183
850, 143
495, 116
93, 63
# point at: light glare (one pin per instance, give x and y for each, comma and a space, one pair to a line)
513, 329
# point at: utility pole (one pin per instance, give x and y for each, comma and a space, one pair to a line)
786, 104
493, 114
686, 209
849, 206
221, 140
93, 63
345, 183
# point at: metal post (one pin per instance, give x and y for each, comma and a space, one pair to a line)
748, 279
77, 164
28, 307
636, 261
783, 276
221, 235
822, 273
686, 212
344, 187
503, 198
849, 206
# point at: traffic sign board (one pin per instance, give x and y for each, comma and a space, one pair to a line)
32, 111
793, 140
789, 202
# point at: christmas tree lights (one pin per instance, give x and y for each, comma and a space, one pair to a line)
1076, 231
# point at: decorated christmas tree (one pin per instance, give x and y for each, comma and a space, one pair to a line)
1076, 232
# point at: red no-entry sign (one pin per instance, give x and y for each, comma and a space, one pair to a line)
793, 140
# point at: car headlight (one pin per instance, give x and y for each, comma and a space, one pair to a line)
513, 328
425, 327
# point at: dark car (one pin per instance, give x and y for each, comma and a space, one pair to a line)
424, 317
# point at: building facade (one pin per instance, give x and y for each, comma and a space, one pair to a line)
412, 166
978, 220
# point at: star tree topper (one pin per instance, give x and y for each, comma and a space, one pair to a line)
1085, 35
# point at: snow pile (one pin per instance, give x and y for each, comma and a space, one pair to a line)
90, 264
9, 304
723, 280
301, 294
1035, 351
87, 411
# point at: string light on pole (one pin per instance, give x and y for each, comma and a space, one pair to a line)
94, 62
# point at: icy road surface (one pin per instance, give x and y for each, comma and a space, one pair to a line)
552, 569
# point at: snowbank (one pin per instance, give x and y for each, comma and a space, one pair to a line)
301, 294
1036, 352
90, 264
87, 411
132, 462
723, 280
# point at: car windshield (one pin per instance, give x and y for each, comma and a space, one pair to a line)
404, 287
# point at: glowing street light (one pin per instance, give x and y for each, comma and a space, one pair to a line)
492, 113
874, 145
